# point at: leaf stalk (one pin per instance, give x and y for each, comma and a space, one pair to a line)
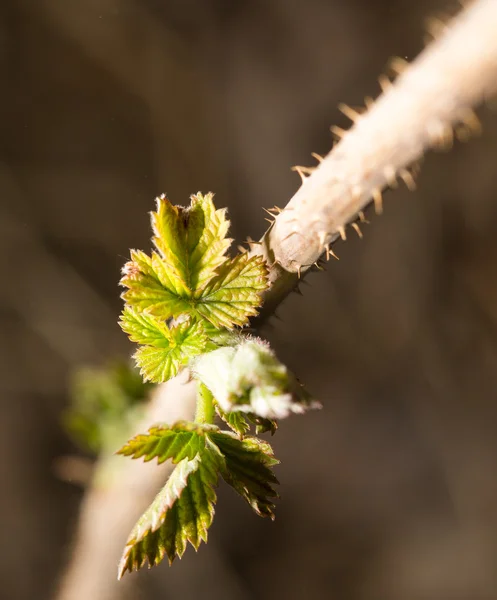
204, 412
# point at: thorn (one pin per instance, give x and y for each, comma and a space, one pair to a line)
341, 231
271, 265
463, 133
398, 65
338, 132
250, 241
408, 179
269, 220
299, 271
362, 217
357, 228
318, 266
288, 235
378, 201
435, 27
416, 168
441, 135
385, 83
427, 39
322, 235
318, 157
300, 171
390, 176
368, 102
241, 249
273, 211
329, 252
306, 170
356, 192
468, 117
349, 112
448, 138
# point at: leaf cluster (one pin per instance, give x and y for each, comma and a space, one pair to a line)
187, 295
185, 306
183, 510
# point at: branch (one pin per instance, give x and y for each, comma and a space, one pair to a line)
430, 100
120, 492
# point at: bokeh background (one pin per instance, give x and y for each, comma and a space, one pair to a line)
389, 492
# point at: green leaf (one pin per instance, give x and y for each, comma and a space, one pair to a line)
181, 440
248, 470
146, 278
145, 329
239, 422
191, 241
167, 349
235, 420
182, 512
262, 425
235, 293
190, 273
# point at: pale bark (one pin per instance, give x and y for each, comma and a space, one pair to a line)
432, 97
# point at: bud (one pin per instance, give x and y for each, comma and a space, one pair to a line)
249, 378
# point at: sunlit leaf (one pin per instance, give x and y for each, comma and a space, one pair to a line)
166, 348
179, 441
181, 513
190, 273
183, 510
248, 469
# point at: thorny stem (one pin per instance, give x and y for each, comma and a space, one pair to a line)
431, 99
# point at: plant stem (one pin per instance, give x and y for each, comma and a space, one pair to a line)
430, 99
204, 412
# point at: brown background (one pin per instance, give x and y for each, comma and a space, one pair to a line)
390, 492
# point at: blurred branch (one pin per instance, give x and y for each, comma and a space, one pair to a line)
120, 492
419, 111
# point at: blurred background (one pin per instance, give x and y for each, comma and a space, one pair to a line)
389, 492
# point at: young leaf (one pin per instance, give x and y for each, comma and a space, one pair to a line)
144, 329
236, 421
249, 378
182, 440
192, 241
248, 470
149, 285
182, 512
262, 425
235, 293
190, 274
167, 349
